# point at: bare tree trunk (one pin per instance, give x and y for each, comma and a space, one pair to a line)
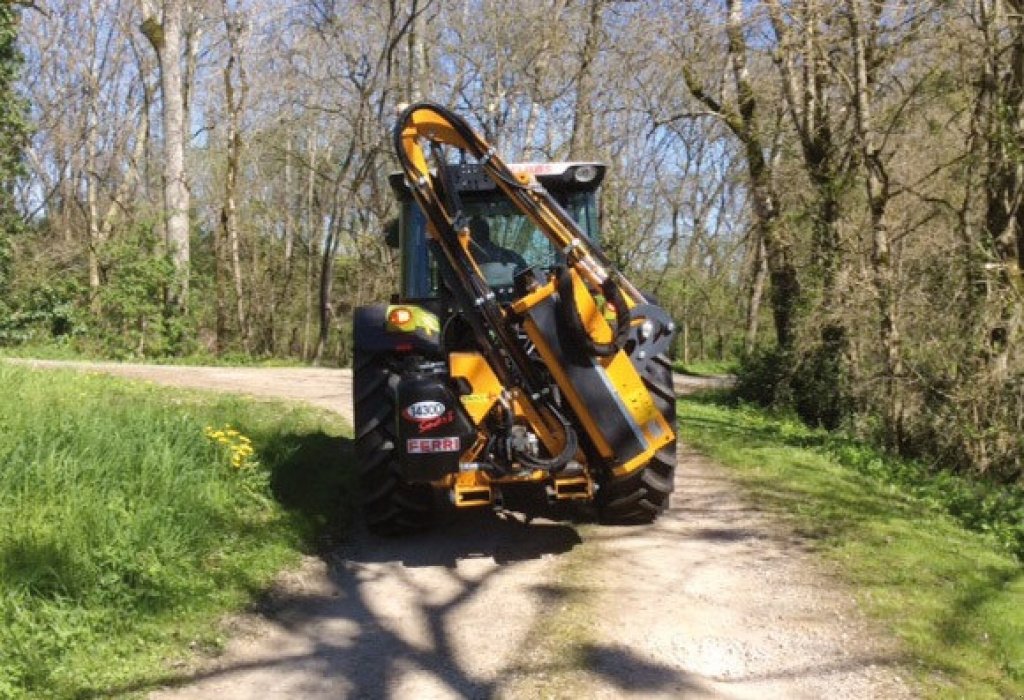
307, 318
686, 340
279, 293
142, 155
289, 216
581, 142
92, 186
879, 195
312, 242
164, 34
326, 286
67, 192
755, 293
1002, 94
95, 234
234, 99
419, 78
192, 31
219, 291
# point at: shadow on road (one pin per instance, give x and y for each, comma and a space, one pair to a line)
398, 611
505, 538
442, 613
315, 476
628, 672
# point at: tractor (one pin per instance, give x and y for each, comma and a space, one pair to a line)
514, 354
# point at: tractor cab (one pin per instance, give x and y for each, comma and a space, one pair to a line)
504, 242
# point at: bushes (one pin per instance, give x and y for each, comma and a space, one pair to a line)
982, 443
974, 424
960, 415
134, 321
963, 436
814, 384
764, 377
126, 319
45, 312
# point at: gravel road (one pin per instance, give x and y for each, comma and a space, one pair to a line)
716, 600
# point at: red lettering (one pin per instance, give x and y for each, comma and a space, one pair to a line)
432, 423
429, 445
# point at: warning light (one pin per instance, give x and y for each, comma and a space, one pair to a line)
399, 316
585, 173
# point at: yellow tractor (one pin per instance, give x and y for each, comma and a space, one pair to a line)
514, 353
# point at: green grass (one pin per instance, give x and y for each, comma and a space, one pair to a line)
66, 351
706, 368
226, 360
125, 532
953, 596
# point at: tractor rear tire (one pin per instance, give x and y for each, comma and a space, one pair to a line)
640, 496
391, 506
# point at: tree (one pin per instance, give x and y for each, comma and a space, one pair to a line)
742, 116
864, 36
163, 28
14, 131
809, 89
835, 157
236, 89
1000, 105
581, 141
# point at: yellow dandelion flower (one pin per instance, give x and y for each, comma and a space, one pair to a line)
237, 447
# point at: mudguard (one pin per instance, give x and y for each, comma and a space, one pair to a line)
372, 333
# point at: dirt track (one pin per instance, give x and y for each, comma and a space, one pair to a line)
714, 601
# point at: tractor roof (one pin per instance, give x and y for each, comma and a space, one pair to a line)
562, 176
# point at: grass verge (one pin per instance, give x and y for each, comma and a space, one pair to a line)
67, 351
706, 368
955, 597
125, 531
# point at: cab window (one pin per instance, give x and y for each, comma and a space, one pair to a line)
504, 242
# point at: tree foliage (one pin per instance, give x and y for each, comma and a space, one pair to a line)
14, 130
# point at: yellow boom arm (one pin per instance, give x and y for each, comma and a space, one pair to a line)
601, 384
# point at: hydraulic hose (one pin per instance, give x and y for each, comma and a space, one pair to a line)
557, 462
569, 315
